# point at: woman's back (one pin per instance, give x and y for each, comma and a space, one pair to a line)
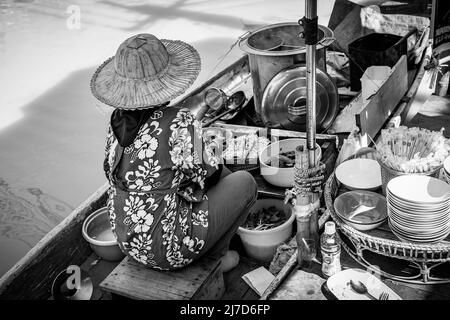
156, 181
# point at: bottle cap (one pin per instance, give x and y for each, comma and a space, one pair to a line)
330, 227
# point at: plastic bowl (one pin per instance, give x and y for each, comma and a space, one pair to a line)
373, 208
281, 177
262, 244
97, 231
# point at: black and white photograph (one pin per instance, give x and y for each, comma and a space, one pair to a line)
234, 158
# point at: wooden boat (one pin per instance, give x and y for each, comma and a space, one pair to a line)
32, 276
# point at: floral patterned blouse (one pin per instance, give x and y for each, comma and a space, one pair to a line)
157, 204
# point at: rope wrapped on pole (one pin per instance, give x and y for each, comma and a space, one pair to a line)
308, 169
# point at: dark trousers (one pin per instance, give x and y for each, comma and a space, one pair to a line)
229, 203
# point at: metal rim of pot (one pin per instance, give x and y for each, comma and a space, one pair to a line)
327, 40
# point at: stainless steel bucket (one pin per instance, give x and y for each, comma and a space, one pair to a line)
275, 47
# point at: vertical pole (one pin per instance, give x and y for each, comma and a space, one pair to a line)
307, 216
311, 13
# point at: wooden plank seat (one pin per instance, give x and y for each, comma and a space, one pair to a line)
202, 280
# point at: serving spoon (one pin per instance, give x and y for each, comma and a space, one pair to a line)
360, 288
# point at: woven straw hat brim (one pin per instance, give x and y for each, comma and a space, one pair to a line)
125, 93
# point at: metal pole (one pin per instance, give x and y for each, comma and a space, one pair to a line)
311, 13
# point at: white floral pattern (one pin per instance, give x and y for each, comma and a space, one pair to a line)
139, 217
144, 179
193, 245
170, 239
181, 153
145, 144
147, 217
200, 218
140, 249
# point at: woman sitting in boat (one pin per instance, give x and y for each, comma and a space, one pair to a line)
170, 200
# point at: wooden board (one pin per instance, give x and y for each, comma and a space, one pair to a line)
201, 280
372, 118
236, 287
33, 275
418, 80
280, 133
301, 285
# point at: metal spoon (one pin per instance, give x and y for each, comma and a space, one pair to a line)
360, 288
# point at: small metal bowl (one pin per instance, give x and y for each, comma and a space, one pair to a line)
61, 291
363, 210
97, 231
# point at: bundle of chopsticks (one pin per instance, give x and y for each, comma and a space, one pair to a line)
412, 150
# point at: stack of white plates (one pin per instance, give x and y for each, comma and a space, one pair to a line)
447, 169
418, 208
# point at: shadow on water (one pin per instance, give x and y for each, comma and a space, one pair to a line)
122, 15
178, 10
55, 155
53, 162
26, 215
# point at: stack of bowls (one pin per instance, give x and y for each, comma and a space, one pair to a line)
418, 208
447, 170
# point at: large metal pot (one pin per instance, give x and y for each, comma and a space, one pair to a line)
275, 47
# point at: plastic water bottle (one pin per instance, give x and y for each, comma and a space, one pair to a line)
330, 246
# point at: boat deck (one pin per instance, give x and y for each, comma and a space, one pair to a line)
406, 291
235, 287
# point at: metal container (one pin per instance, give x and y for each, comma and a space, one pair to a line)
278, 46
387, 174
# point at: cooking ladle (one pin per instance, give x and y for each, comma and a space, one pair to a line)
360, 288
235, 101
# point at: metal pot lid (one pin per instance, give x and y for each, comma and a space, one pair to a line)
284, 100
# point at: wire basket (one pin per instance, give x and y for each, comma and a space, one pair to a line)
388, 174
423, 258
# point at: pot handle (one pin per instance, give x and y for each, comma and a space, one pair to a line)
244, 36
298, 108
326, 41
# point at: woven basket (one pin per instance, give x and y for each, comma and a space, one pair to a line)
388, 174
424, 257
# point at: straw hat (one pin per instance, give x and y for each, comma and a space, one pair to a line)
146, 72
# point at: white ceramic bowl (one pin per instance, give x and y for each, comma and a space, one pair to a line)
262, 244
359, 174
446, 165
97, 231
281, 177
